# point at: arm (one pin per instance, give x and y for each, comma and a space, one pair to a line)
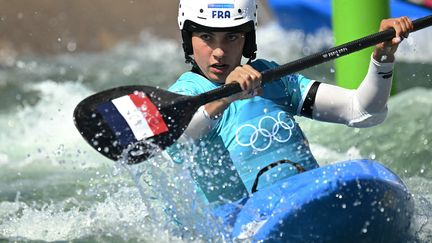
363, 107
208, 115
250, 82
367, 105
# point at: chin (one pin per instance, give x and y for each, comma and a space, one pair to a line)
217, 78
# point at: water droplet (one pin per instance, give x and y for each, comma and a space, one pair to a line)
71, 46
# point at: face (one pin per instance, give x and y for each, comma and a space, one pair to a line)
217, 53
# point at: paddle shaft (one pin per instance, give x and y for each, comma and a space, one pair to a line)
312, 60
99, 124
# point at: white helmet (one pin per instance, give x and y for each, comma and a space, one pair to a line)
218, 15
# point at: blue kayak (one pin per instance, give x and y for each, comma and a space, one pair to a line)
296, 14
353, 201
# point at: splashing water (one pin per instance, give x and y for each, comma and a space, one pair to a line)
54, 187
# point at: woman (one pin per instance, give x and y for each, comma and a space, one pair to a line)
238, 136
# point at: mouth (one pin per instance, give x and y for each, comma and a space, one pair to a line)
219, 67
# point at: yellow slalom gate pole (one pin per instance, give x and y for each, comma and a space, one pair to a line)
351, 20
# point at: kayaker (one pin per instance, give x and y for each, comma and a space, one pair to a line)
235, 138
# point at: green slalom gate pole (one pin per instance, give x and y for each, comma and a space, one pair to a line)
353, 19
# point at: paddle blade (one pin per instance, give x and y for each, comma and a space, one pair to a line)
131, 123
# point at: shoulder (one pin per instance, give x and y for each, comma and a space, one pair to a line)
190, 83
262, 64
288, 80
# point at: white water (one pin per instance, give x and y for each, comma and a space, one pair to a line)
54, 187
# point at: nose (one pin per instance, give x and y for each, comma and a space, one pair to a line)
218, 53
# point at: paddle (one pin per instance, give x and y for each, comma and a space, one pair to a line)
133, 122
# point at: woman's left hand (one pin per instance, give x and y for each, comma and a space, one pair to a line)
384, 52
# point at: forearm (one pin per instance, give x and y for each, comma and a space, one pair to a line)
365, 106
382, 56
374, 90
206, 118
216, 108
201, 124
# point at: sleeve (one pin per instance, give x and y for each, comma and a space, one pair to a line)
363, 107
291, 91
184, 87
201, 123
300, 89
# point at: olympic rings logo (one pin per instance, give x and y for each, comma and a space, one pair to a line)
274, 134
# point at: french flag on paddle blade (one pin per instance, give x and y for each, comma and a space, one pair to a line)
134, 112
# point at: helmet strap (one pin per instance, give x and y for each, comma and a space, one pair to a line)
187, 42
190, 60
251, 57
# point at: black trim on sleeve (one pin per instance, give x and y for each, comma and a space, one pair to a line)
386, 75
308, 104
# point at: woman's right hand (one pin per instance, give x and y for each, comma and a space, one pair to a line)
249, 80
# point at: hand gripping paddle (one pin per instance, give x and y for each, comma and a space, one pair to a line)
133, 122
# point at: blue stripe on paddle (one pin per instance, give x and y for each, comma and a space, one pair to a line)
116, 122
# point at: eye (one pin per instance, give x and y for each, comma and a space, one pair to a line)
234, 36
205, 36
